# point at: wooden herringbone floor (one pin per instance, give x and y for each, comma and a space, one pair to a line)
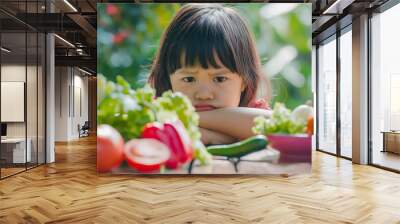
70, 191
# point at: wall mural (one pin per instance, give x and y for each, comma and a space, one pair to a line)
204, 88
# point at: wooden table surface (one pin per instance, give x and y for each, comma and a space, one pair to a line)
262, 162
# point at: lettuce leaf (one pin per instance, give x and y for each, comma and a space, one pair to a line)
281, 121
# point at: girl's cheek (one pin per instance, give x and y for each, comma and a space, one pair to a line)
184, 89
233, 92
177, 87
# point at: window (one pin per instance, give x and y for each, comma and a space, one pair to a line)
327, 96
385, 89
346, 94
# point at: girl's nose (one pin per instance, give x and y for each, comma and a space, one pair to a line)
204, 93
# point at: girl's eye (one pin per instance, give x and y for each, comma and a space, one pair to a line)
188, 79
220, 79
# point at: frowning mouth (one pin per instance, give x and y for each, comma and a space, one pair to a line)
204, 107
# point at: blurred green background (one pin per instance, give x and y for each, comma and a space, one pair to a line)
129, 35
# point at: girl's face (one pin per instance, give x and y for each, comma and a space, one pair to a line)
208, 89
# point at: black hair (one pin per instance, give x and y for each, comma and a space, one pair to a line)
197, 35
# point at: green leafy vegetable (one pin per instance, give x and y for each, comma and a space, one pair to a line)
130, 110
283, 121
121, 107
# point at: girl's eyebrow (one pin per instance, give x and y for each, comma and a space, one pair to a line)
195, 71
220, 71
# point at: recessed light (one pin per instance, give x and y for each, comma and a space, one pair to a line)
84, 71
5, 50
337, 7
64, 40
70, 5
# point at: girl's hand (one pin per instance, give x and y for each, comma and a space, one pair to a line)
209, 137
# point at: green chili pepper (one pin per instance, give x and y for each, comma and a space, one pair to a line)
241, 148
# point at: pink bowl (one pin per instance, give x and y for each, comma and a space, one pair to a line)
292, 148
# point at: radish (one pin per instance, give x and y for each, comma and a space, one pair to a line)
146, 154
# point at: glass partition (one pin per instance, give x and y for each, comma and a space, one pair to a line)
14, 145
22, 77
327, 96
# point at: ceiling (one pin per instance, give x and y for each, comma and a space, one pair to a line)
331, 15
76, 20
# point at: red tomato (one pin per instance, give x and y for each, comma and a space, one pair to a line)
110, 148
146, 155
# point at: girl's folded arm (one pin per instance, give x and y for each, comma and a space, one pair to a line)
210, 137
236, 121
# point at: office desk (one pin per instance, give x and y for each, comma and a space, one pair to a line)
13, 150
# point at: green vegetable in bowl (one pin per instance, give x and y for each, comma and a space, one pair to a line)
283, 121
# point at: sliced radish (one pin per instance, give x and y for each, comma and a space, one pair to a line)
146, 154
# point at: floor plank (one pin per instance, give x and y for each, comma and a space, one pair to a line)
387, 159
70, 191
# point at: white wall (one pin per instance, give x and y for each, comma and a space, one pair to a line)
61, 103
71, 87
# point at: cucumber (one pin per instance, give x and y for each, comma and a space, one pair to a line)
239, 149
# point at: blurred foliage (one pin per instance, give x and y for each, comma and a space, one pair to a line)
129, 35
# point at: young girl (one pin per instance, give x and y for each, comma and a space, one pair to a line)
208, 54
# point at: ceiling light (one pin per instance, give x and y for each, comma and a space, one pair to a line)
84, 71
64, 40
329, 9
337, 7
70, 5
5, 49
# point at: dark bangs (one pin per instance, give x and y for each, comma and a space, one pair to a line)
198, 40
198, 35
